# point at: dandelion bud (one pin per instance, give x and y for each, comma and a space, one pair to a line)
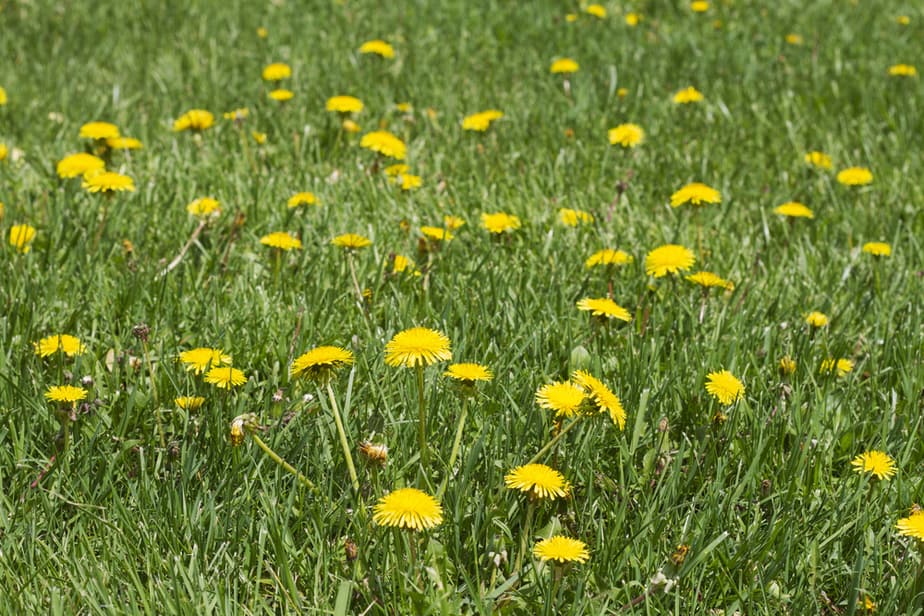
350, 549
241, 425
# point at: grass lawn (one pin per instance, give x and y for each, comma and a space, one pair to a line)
705, 448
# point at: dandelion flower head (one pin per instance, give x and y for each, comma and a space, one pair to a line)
627, 135
65, 393
481, 121
500, 222
597, 10
67, 344
668, 259
724, 387
565, 398
194, 119
564, 65
903, 70
99, 130
418, 346
281, 240
200, 358
855, 176
709, 279
572, 217
468, 372
688, 95
696, 193
436, 233
537, 480
608, 256
562, 549
79, 164
604, 307
408, 508
124, 143
377, 47
344, 104
107, 182
319, 364
203, 206
277, 71
912, 526
281, 95
384, 143
699, 6
793, 209
602, 398
189, 403
816, 319
876, 463
21, 237
878, 249
302, 198
225, 377
351, 241
842, 366
818, 159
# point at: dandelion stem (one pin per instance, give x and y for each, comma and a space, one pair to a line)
278, 460
160, 422
343, 439
422, 418
359, 292
524, 537
554, 440
456, 445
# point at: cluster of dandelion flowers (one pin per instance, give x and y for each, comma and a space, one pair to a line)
538, 481
351, 241
877, 249
302, 198
481, 121
794, 209
604, 308
696, 193
608, 256
194, 119
281, 240
418, 346
817, 159
67, 394
99, 130
344, 104
21, 237
75, 165
320, 364
107, 182
687, 95
724, 386
843, 366
189, 403
816, 319
408, 508
627, 135
668, 259
561, 550
564, 66
67, 344
200, 359
571, 217
565, 398
277, 71
709, 280
912, 526
500, 222
903, 70
225, 377
377, 47
876, 463
384, 143
855, 176
603, 400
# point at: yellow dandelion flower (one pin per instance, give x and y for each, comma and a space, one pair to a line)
69, 345
627, 135
402, 264
572, 218
237, 115
107, 182
350, 126
604, 307
225, 377
793, 209
3, 96
876, 463
608, 256
632, 19
855, 176
384, 143
408, 181
708, 279
877, 249
259, 137
200, 358
99, 130
65, 393
281, 95
203, 206
396, 170
351, 241
696, 193
699, 6
537, 480
404, 107
787, 365
903, 70
189, 403
281, 240
668, 259
622, 92
817, 159
194, 119
912, 526
602, 398
262, 32
418, 346
21, 237
436, 233
724, 387
562, 550
843, 366
481, 121
277, 71
4, 151
597, 10
408, 508
124, 143
794, 39
816, 319
453, 222
565, 398
344, 104
303, 198
571, 17
377, 47
468, 373
500, 222
687, 95
564, 66
902, 20
320, 364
